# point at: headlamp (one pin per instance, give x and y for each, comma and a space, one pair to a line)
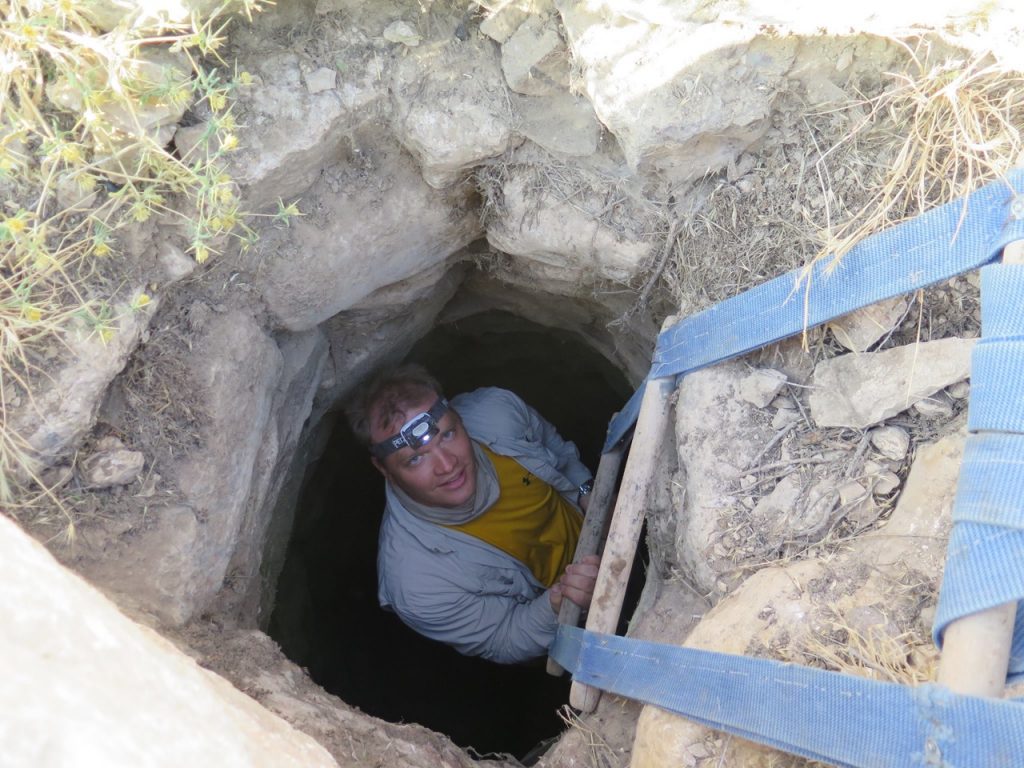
415, 433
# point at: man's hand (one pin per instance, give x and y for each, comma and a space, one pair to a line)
577, 583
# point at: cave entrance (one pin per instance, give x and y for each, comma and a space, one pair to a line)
326, 616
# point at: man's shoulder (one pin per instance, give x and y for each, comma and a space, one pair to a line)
492, 412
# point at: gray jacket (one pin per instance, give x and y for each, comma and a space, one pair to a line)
455, 588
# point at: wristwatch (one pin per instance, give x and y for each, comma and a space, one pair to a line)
584, 489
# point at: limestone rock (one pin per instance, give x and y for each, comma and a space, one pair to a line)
447, 120
891, 442
535, 60
107, 469
503, 21
365, 239
263, 533
860, 329
293, 134
179, 565
103, 690
761, 386
322, 79
174, 261
402, 32
563, 245
779, 609
724, 76
795, 511
884, 483
960, 391
561, 123
858, 390
64, 406
938, 406
717, 436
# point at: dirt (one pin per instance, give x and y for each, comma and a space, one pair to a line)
375, 237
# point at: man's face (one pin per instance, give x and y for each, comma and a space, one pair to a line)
440, 474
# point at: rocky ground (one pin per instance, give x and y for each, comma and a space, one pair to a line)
594, 167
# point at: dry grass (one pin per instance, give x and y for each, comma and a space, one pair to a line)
952, 126
939, 129
84, 155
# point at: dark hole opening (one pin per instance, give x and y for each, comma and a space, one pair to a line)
327, 618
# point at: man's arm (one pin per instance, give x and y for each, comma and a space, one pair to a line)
497, 627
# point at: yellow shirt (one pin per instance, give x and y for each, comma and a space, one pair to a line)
530, 521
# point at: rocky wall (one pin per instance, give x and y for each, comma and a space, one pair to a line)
541, 157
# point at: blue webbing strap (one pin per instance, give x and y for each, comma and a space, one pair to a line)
840, 719
985, 557
942, 243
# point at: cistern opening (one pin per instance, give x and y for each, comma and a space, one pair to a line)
326, 614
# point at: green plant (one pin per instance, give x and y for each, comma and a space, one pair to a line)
85, 121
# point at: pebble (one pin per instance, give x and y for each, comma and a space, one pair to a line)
934, 407
960, 391
891, 442
107, 469
884, 483
761, 386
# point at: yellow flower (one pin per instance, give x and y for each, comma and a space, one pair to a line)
71, 154
244, 78
141, 300
32, 314
14, 224
202, 254
101, 249
218, 100
229, 142
225, 195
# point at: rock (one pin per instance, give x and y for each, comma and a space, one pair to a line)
103, 690
761, 386
860, 329
450, 122
723, 74
851, 491
294, 134
884, 483
64, 405
922, 519
365, 239
402, 32
858, 390
174, 261
175, 568
319, 80
784, 417
938, 406
502, 22
535, 60
891, 442
792, 512
562, 123
717, 436
562, 245
269, 511
109, 468
959, 391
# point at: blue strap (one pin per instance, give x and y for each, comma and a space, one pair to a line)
985, 557
840, 719
942, 243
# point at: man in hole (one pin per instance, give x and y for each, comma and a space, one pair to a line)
482, 516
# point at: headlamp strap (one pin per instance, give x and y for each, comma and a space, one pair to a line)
416, 432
